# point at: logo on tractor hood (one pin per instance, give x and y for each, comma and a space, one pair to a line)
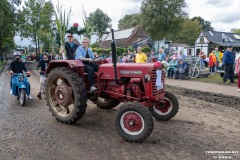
124, 72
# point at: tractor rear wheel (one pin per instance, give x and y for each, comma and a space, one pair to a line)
166, 108
105, 102
134, 122
65, 95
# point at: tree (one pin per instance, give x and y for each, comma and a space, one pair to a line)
188, 32
205, 25
86, 31
160, 18
36, 21
7, 23
235, 30
100, 21
128, 21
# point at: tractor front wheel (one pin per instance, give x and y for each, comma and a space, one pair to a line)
165, 108
65, 95
134, 122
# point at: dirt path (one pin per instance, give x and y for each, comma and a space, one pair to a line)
31, 132
228, 90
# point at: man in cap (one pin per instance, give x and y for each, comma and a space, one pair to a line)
228, 61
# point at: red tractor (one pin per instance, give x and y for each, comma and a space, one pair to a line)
138, 87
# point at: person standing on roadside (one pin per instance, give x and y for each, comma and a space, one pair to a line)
161, 55
70, 47
212, 62
130, 57
181, 56
217, 53
237, 70
56, 57
140, 56
228, 62
153, 56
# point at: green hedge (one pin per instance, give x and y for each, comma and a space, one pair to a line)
146, 49
2, 65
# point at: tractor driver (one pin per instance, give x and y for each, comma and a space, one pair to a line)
85, 54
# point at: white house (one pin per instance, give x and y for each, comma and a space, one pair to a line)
208, 40
186, 49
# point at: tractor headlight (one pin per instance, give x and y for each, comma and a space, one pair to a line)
21, 79
147, 78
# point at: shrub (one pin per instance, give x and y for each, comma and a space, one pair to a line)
146, 49
95, 45
120, 50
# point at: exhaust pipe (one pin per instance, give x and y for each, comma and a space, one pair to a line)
114, 57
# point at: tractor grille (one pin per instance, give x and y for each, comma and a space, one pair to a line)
153, 79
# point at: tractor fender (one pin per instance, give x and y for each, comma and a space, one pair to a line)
76, 65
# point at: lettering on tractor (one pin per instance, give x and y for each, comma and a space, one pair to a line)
138, 87
123, 72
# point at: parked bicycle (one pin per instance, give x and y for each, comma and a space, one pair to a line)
194, 70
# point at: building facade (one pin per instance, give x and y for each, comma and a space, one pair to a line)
124, 38
209, 40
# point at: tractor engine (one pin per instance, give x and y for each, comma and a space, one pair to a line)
134, 82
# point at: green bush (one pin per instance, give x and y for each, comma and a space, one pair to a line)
120, 50
146, 49
95, 45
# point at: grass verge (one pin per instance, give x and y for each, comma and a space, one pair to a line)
214, 78
2, 65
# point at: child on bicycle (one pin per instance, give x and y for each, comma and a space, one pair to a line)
41, 68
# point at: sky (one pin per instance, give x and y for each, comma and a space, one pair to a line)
223, 14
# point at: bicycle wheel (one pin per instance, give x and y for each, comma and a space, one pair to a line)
194, 72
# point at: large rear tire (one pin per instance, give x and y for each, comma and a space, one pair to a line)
165, 111
22, 97
65, 95
134, 122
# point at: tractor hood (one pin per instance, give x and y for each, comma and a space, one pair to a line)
126, 70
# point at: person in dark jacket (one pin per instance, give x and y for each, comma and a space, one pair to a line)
17, 66
228, 61
70, 47
181, 69
41, 68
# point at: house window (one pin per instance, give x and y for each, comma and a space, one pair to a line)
201, 40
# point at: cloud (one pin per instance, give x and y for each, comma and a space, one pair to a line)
115, 9
230, 17
223, 14
217, 3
